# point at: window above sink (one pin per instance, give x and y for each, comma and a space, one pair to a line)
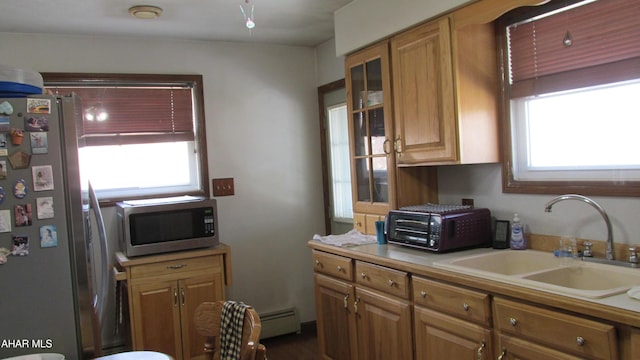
571, 74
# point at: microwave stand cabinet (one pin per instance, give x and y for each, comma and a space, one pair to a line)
163, 292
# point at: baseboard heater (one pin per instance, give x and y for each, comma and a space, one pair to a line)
279, 322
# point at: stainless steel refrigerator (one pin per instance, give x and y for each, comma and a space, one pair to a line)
50, 300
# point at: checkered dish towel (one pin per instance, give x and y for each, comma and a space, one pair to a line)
231, 322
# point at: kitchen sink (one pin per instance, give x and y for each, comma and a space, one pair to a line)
541, 270
505, 262
594, 280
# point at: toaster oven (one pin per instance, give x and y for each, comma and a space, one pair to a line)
439, 228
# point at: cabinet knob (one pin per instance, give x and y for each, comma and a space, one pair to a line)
363, 276
391, 283
580, 341
466, 307
513, 321
423, 294
339, 268
317, 262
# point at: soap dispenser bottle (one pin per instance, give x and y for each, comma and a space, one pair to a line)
518, 240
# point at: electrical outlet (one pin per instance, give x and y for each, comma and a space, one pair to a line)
467, 202
223, 187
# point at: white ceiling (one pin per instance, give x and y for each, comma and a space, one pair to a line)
288, 22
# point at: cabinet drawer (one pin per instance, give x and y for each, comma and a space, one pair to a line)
586, 338
176, 266
391, 281
463, 303
334, 265
360, 222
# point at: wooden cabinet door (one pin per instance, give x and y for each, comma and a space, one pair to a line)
194, 291
440, 336
511, 348
368, 85
423, 85
335, 318
383, 326
156, 317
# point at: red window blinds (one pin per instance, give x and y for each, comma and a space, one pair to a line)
605, 47
135, 114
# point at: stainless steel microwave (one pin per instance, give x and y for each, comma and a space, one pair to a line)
154, 226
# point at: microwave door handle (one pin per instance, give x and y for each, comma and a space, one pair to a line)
104, 255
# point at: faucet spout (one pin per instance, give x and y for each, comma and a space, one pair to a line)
609, 252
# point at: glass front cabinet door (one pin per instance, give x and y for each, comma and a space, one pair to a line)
370, 129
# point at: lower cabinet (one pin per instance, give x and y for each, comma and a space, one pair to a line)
361, 322
383, 326
164, 292
366, 310
163, 320
335, 318
512, 348
554, 330
439, 336
451, 322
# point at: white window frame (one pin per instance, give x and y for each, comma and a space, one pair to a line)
609, 144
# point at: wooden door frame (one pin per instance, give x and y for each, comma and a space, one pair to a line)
322, 91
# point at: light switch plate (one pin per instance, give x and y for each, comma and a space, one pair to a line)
223, 187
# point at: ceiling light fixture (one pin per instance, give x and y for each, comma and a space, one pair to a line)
145, 12
247, 12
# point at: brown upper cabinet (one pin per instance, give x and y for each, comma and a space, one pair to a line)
445, 82
377, 184
426, 96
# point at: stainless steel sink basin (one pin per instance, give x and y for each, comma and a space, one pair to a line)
541, 270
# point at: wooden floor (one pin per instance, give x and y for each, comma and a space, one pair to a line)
303, 346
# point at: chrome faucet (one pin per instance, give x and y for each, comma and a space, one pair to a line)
609, 252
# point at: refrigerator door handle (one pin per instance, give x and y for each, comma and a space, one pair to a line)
104, 254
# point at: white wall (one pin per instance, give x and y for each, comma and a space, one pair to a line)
330, 66
483, 183
262, 130
362, 22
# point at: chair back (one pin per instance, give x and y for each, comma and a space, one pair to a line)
207, 321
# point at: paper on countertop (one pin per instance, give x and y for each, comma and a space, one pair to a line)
634, 293
351, 238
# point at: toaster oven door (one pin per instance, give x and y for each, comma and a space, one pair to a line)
415, 229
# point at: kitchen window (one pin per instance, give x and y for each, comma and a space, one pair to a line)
143, 135
338, 136
570, 93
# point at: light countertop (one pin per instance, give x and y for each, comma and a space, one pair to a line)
619, 308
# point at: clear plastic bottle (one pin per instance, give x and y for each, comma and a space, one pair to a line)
518, 240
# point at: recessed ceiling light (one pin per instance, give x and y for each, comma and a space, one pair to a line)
145, 11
